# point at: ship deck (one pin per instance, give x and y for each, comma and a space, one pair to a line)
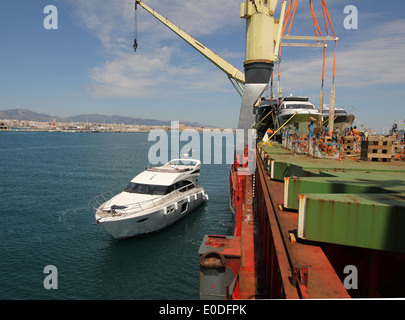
335, 214
318, 228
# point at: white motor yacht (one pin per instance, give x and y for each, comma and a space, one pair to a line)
153, 200
342, 118
297, 113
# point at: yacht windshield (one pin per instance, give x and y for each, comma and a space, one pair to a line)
158, 189
147, 189
299, 106
340, 111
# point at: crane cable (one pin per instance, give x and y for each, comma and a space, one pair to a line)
333, 31
332, 93
289, 14
319, 33
135, 28
318, 30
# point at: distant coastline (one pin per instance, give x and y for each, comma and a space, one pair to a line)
26, 120
39, 126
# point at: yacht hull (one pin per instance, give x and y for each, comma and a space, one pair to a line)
153, 219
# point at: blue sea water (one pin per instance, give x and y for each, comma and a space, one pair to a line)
46, 182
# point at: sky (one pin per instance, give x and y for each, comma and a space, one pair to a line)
87, 65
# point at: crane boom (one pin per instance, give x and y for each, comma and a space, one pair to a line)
231, 71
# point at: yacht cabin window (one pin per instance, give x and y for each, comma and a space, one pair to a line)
146, 189
297, 106
158, 189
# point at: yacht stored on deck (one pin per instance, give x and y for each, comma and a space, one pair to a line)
297, 112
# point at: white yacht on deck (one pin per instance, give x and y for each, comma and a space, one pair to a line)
153, 200
342, 118
297, 112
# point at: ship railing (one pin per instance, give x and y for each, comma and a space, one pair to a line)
131, 208
98, 200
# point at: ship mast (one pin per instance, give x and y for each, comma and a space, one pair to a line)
263, 36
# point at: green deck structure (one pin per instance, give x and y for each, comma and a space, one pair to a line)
374, 221
359, 204
341, 182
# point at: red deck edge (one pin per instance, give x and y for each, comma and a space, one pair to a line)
270, 265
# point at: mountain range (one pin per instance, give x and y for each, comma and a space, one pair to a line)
28, 115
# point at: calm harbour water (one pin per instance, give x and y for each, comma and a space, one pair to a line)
46, 182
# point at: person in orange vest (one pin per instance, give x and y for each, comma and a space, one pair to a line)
356, 133
269, 132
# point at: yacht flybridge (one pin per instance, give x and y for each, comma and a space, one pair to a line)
153, 200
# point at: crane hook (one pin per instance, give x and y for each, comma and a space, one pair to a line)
135, 45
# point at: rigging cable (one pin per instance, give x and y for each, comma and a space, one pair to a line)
290, 12
135, 29
333, 93
319, 33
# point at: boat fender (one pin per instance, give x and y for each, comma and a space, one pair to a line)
165, 210
188, 199
195, 196
176, 206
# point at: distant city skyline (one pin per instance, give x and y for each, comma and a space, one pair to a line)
87, 64
28, 115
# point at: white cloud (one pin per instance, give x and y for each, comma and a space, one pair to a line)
199, 17
113, 20
144, 75
108, 21
127, 75
155, 66
376, 58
